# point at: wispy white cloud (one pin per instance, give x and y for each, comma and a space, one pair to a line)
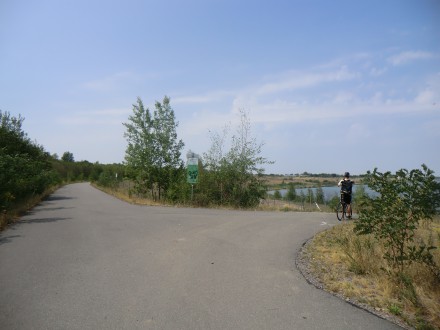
409, 56
110, 82
319, 97
299, 80
324, 93
213, 96
376, 72
108, 112
98, 118
430, 94
277, 113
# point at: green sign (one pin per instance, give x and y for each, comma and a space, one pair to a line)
192, 170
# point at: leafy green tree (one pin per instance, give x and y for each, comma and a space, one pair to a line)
404, 199
167, 147
236, 175
68, 157
213, 176
25, 167
153, 152
139, 155
359, 196
291, 192
277, 194
107, 179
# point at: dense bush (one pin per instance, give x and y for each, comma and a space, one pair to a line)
25, 168
234, 177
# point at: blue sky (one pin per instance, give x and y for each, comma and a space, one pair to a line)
329, 86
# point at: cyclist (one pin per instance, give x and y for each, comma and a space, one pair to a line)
346, 189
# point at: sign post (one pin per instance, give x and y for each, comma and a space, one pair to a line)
192, 170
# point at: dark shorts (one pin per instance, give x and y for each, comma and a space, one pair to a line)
346, 198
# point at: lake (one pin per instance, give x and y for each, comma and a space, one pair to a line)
329, 192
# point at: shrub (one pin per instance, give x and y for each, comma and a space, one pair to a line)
403, 200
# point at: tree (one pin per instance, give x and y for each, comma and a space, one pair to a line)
139, 155
236, 174
25, 167
153, 151
291, 192
68, 157
166, 145
277, 194
359, 196
213, 171
404, 199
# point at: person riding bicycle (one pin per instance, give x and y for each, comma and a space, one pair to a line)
346, 189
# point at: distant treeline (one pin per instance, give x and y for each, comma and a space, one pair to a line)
153, 166
27, 170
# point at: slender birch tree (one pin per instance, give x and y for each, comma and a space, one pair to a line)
153, 152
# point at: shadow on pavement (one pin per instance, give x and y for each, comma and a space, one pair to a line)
57, 198
7, 239
44, 220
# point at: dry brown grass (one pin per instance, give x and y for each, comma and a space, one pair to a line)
352, 267
123, 194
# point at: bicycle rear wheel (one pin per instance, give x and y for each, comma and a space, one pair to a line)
340, 211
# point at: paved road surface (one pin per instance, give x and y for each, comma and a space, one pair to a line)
85, 260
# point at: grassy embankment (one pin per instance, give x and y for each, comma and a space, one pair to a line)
122, 191
275, 182
352, 267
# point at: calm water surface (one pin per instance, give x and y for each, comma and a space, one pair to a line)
329, 192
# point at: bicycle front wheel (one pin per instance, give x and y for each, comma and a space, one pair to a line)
340, 211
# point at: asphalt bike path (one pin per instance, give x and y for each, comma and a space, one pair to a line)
85, 260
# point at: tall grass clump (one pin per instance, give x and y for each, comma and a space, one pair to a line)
353, 266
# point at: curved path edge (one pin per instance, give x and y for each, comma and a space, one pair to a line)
303, 264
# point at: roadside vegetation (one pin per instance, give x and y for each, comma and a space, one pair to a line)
28, 173
388, 259
230, 173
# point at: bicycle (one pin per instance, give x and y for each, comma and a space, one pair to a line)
341, 210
